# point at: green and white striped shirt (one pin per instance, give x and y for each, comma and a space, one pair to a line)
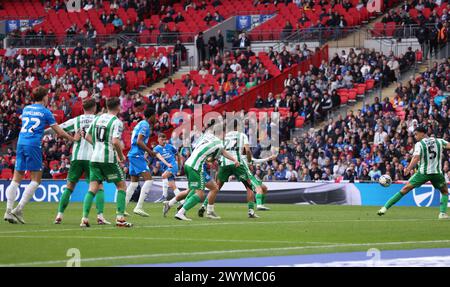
81, 150
104, 128
208, 145
234, 143
430, 151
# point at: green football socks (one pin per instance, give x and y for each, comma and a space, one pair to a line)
393, 200
64, 200
191, 193
263, 198
191, 202
259, 199
87, 203
251, 205
121, 195
100, 201
444, 203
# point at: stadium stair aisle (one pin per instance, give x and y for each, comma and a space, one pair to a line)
182, 71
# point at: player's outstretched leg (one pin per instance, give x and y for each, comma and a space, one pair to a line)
395, 198
191, 201
179, 197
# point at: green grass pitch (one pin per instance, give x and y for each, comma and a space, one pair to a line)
285, 230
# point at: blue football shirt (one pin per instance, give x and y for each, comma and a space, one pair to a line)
142, 128
35, 118
168, 152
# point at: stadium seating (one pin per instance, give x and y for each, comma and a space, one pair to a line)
60, 21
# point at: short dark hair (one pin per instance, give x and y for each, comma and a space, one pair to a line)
162, 135
149, 112
88, 104
421, 129
112, 103
39, 93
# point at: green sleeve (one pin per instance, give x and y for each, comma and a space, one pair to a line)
68, 126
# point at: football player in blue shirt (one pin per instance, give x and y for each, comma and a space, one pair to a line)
138, 163
35, 118
170, 154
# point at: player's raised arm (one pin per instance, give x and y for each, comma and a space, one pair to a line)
261, 160
60, 132
161, 158
67, 126
230, 157
49, 131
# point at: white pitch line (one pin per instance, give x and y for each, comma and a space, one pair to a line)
190, 225
232, 251
166, 238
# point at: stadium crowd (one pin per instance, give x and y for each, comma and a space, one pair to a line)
351, 148
314, 94
72, 75
216, 81
372, 141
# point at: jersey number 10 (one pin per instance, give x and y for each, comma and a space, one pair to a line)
101, 134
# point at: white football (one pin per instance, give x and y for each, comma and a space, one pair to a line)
385, 180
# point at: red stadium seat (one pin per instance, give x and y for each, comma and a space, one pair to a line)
299, 121
378, 29
370, 84
59, 116
6, 173
419, 56
390, 29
